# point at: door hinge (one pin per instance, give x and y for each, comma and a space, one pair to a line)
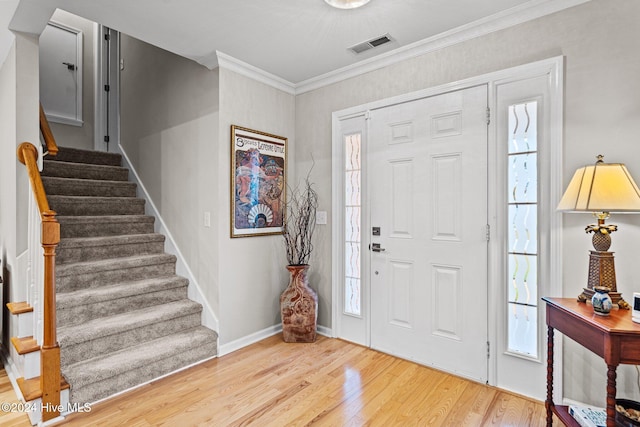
488, 350
488, 232
488, 115
107, 88
106, 138
107, 37
367, 115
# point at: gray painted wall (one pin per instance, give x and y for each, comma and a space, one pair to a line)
600, 41
19, 115
169, 119
176, 118
252, 269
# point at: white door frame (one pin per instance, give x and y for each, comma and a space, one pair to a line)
554, 68
107, 103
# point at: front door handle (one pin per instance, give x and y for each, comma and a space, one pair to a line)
375, 247
70, 66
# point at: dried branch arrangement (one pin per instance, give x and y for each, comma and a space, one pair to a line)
300, 223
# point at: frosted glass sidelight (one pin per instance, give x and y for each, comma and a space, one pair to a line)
352, 224
522, 250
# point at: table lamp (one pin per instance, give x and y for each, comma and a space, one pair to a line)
601, 189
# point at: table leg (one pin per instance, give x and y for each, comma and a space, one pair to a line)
549, 402
611, 395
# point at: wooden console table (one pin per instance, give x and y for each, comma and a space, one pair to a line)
615, 338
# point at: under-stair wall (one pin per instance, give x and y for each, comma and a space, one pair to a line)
194, 291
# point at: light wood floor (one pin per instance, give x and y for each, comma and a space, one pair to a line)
328, 383
9, 418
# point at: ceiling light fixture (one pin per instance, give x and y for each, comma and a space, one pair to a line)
347, 4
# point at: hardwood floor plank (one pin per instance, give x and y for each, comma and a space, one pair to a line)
326, 383
9, 416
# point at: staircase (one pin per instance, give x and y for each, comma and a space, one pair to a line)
123, 316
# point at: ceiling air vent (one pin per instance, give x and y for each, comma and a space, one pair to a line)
370, 44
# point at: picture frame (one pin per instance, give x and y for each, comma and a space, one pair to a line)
258, 182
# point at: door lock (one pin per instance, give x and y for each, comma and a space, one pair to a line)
375, 247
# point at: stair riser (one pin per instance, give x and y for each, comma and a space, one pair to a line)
98, 229
94, 253
99, 346
71, 207
82, 171
74, 282
83, 156
90, 311
54, 186
125, 380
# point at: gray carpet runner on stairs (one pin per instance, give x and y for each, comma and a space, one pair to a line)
123, 314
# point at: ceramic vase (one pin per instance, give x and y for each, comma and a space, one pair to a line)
602, 303
299, 307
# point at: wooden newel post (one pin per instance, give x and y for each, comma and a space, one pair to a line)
50, 351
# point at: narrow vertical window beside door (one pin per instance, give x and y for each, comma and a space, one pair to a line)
523, 231
352, 224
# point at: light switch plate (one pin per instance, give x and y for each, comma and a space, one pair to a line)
321, 217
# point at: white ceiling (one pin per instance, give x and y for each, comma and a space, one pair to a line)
295, 40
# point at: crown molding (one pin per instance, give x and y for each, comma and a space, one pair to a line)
499, 21
255, 73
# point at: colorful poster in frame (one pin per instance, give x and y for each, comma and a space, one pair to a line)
258, 182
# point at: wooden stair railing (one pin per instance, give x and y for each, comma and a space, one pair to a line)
49, 139
50, 351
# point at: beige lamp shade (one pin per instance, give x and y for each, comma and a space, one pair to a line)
603, 187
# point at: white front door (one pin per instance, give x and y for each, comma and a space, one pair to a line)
428, 202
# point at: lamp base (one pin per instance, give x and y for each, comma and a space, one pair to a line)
602, 272
616, 298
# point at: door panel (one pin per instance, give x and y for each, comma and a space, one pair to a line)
61, 74
428, 195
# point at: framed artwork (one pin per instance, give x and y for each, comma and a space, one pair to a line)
258, 182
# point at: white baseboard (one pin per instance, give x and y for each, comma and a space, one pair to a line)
323, 330
260, 335
249, 339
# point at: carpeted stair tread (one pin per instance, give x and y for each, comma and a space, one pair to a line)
104, 225
84, 171
110, 264
103, 376
88, 187
107, 326
112, 333
87, 304
88, 205
82, 249
76, 155
103, 367
78, 275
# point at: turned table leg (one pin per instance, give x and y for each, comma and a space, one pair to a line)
549, 402
611, 395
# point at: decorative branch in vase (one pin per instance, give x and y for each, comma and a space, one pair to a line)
299, 302
300, 223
